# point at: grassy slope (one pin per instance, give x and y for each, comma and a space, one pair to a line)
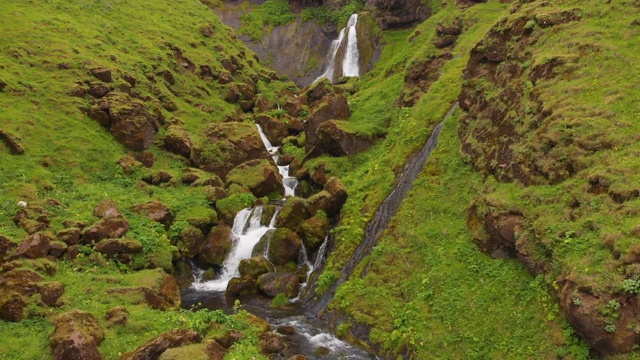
441, 296
71, 159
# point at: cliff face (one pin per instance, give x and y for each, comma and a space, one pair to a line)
547, 116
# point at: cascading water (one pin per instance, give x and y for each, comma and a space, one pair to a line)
247, 231
289, 182
350, 60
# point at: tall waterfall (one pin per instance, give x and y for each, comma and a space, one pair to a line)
351, 58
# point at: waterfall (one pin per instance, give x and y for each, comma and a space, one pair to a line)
351, 58
246, 233
289, 182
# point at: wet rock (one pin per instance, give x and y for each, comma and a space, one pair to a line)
260, 176
102, 73
107, 228
335, 140
255, 266
117, 316
286, 330
274, 129
12, 142
70, 236
155, 210
271, 343
216, 246
76, 336
215, 351
121, 249
51, 292
106, 208
313, 231
284, 247
272, 284
6, 246
228, 145
177, 141
330, 199
293, 213
33, 246
241, 286
155, 347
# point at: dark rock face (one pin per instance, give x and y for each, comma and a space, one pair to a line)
77, 336
272, 284
121, 249
399, 13
274, 129
336, 141
335, 108
155, 347
106, 208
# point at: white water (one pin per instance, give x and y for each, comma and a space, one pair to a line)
246, 233
350, 61
289, 182
350, 65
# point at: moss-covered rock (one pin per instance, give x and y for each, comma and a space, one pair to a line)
274, 129
255, 266
314, 230
284, 246
155, 210
229, 207
241, 286
177, 141
106, 208
272, 284
293, 213
121, 249
33, 246
330, 199
261, 177
111, 227
216, 247
77, 336
155, 347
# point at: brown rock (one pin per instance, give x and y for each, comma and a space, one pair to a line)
216, 246
57, 249
271, 343
33, 246
155, 210
106, 208
98, 90
313, 231
255, 266
76, 336
6, 246
274, 129
12, 306
102, 73
230, 337
335, 140
107, 228
293, 107
272, 284
284, 246
70, 236
330, 199
191, 239
293, 213
260, 176
215, 351
241, 286
155, 347
118, 248
177, 141
51, 292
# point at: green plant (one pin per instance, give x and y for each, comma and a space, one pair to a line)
279, 300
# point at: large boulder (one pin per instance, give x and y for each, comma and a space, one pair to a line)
177, 141
155, 210
76, 336
260, 176
274, 129
241, 286
33, 246
153, 349
216, 246
313, 231
272, 284
70, 236
51, 292
129, 120
337, 140
190, 241
335, 107
285, 246
6, 246
111, 227
330, 199
293, 213
228, 145
255, 266
162, 293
